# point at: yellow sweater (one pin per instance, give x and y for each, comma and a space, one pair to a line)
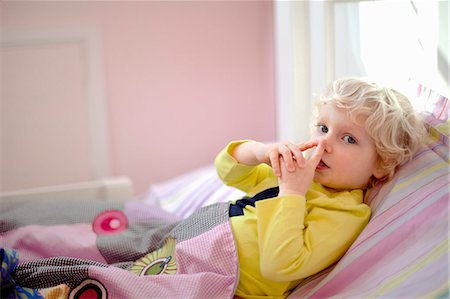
281, 240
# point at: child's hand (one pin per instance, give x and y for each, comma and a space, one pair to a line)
290, 153
298, 180
273, 152
254, 153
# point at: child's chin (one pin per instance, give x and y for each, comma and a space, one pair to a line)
319, 177
325, 184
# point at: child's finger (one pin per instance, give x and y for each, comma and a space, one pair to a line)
307, 145
317, 156
297, 154
294, 149
283, 167
301, 162
275, 162
286, 153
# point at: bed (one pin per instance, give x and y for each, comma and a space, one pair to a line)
102, 243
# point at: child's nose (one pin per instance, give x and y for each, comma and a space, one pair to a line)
328, 143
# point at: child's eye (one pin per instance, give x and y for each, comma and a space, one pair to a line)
323, 129
349, 139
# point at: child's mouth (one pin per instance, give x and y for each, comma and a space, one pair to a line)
322, 165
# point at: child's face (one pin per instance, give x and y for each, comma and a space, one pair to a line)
350, 158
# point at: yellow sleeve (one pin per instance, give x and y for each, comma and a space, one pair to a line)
295, 243
241, 176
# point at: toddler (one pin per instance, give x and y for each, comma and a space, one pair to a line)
301, 214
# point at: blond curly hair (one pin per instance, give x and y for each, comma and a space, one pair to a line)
390, 120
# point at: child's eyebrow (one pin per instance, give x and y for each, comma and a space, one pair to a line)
320, 119
350, 128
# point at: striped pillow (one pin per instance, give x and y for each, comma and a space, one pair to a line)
435, 112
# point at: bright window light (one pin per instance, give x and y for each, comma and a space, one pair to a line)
399, 41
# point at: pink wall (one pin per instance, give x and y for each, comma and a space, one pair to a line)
182, 78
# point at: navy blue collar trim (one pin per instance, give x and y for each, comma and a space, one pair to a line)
237, 209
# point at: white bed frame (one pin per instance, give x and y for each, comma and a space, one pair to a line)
116, 188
